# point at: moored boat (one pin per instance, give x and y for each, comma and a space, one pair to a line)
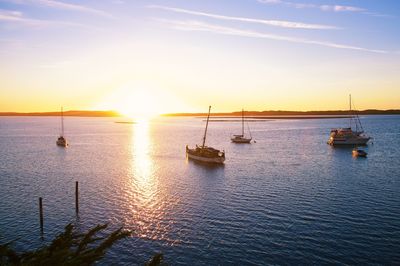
62, 141
359, 153
241, 138
348, 136
203, 153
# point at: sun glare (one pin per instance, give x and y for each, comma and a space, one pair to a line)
141, 101
140, 104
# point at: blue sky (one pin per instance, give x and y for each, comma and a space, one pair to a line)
264, 54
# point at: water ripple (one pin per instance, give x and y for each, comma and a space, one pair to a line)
287, 199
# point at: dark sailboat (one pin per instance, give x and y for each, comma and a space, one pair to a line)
203, 153
62, 141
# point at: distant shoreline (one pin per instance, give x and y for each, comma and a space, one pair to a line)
270, 118
305, 114
249, 114
66, 113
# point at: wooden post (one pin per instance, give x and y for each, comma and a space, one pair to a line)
76, 197
41, 214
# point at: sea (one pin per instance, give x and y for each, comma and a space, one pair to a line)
287, 198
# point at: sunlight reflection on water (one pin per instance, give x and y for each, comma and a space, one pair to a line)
147, 205
142, 165
288, 198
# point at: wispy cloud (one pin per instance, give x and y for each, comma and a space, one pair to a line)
17, 17
63, 6
11, 16
336, 8
192, 25
332, 8
276, 23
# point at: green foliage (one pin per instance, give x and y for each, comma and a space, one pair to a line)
7, 255
156, 260
68, 248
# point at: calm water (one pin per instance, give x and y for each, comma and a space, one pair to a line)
286, 199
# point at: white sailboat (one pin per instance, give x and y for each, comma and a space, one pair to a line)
203, 153
62, 141
348, 136
241, 138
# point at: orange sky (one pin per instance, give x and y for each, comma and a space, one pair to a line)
136, 58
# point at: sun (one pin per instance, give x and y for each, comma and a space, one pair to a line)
139, 104
136, 103
141, 101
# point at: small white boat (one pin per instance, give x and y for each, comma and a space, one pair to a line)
62, 141
203, 153
241, 138
348, 136
359, 153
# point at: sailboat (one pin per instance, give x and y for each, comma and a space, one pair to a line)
203, 153
62, 141
348, 136
241, 138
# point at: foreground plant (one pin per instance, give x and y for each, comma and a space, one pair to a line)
69, 248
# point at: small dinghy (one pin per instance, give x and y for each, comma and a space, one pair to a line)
359, 153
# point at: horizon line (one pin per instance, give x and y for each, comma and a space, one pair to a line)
114, 113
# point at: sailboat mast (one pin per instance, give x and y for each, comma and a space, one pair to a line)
350, 102
242, 122
62, 122
205, 132
351, 115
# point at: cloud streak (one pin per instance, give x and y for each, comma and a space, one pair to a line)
17, 17
331, 8
192, 25
63, 6
336, 8
276, 23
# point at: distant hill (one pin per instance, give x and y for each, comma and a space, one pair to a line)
294, 113
66, 113
111, 113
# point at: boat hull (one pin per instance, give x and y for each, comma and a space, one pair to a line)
240, 140
205, 154
216, 160
62, 143
352, 141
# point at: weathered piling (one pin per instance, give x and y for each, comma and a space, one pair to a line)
41, 214
76, 197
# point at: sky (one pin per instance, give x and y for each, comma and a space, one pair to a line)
183, 55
